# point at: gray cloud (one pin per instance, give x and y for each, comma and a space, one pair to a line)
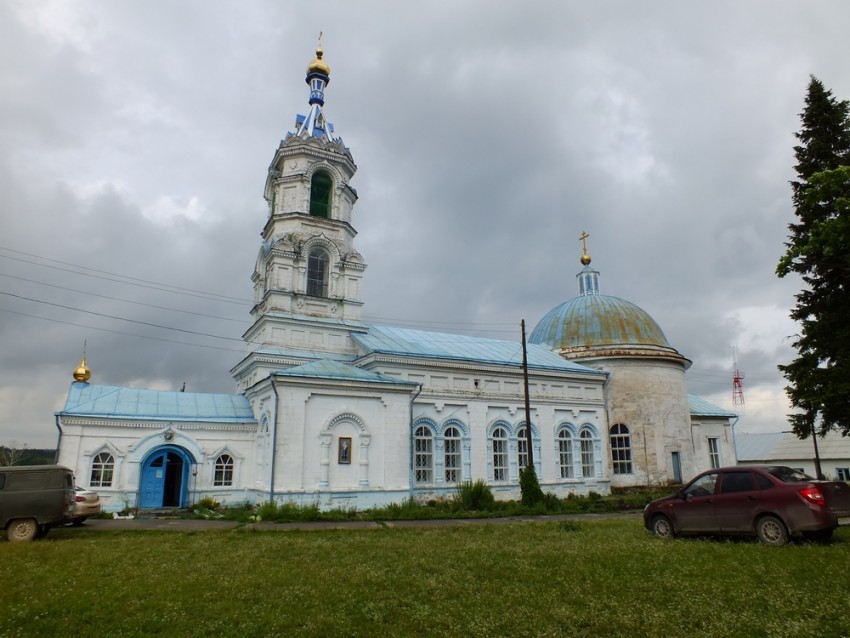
134, 141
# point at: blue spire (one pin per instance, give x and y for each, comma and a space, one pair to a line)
318, 77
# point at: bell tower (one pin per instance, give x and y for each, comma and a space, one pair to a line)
307, 277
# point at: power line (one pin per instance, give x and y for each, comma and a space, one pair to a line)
125, 279
119, 332
138, 303
100, 314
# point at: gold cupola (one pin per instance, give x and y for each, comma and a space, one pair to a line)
82, 372
319, 65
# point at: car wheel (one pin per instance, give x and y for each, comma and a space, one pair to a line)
662, 527
79, 520
820, 536
772, 531
21, 529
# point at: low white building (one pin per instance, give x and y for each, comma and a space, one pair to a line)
332, 411
785, 448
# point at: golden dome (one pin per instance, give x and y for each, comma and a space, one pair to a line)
82, 372
319, 65
585, 259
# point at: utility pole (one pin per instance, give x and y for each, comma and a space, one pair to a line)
527, 406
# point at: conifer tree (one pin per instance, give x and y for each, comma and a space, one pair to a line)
818, 249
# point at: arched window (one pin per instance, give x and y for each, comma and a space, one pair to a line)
500, 454
621, 449
451, 454
522, 448
565, 453
423, 460
587, 460
320, 194
102, 468
223, 471
317, 273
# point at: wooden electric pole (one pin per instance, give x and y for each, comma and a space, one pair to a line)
527, 406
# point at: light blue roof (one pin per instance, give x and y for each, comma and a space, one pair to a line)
85, 399
328, 369
439, 345
700, 407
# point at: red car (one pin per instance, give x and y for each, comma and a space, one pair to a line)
772, 502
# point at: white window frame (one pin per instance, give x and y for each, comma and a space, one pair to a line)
713, 452
621, 449
499, 439
452, 455
566, 441
102, 470
223, 470
423, 456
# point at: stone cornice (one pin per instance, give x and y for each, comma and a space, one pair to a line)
484, 368
242, 426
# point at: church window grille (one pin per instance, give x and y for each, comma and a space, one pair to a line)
223, 476
621, 449
317, 273
500, 454
320, 194
587, 457
565, 453
102, 469
423, 460
713, 452
451, 455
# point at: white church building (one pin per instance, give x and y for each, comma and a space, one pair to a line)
336, 412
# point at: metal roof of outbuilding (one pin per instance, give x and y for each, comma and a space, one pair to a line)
700, 407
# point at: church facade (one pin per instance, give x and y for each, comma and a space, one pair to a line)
336, 412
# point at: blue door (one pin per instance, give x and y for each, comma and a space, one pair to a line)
163, 478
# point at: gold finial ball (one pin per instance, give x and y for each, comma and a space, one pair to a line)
585, 259
82, 372
319, 65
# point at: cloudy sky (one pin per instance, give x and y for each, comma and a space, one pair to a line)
135, 138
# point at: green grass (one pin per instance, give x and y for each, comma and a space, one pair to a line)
586, 578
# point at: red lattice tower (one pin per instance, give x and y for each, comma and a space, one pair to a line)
737, 382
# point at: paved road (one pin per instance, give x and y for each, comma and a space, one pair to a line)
189, 525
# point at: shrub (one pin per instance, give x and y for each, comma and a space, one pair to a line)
207, 503
474, 496
530, 487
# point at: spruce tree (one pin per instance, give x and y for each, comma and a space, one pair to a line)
818, 249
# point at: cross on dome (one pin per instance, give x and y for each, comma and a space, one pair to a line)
318, 77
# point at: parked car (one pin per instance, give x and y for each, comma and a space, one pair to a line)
771, 502
87, 503
33, 499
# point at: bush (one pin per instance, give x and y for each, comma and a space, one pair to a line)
474, 496
529, 486
207, 503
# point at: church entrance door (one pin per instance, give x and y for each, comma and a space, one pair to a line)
164, 478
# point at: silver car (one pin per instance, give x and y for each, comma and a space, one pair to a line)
87, 503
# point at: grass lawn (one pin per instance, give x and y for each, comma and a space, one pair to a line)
591, 578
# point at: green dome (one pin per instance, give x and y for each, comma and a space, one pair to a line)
597, 320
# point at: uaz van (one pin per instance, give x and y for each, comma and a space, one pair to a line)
33, 499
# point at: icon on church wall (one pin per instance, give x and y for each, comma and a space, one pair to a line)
344, 449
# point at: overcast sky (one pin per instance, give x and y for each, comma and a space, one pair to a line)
135, 139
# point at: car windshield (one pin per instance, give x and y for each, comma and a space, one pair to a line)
789, 474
